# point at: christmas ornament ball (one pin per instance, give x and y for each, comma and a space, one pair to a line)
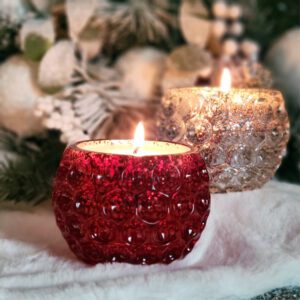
141, 70
57, 66
284, 61
18, 96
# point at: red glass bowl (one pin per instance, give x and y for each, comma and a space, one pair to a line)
124, 208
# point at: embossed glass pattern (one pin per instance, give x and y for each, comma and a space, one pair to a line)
135, 209
241, 135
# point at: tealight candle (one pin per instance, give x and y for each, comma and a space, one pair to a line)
134, 201
241, 133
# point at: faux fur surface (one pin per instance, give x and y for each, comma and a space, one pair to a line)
251, 244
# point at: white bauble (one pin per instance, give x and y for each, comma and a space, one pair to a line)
142, 70
18, 97
284, 61
57, 66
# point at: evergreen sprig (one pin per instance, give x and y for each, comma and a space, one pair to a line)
140, 23
27, 176
290, 167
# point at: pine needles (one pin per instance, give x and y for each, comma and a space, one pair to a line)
141, 22
27, 174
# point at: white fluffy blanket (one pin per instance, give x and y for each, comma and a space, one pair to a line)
251, 244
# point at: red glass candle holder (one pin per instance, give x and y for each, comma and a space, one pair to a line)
126, 208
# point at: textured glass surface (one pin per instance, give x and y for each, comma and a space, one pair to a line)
141, 210
242, 135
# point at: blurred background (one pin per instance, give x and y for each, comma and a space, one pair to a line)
74, 69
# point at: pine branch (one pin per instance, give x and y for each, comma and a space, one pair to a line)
141, 22
290, 167
28, 178
9, 142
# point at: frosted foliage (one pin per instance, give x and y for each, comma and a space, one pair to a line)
241, 135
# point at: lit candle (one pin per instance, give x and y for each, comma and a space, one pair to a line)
241, 133
134, 201
139, 139
226, 81
136, 147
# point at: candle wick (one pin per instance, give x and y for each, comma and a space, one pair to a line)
135, 151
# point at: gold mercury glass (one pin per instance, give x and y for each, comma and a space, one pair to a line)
241, 133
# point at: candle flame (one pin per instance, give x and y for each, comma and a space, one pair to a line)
237, 99
139, 137
226, 81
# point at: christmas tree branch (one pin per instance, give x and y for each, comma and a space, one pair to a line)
27, 176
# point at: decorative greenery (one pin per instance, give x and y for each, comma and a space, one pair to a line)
290, 167
274, 16
142, 22
8, 34
28, 176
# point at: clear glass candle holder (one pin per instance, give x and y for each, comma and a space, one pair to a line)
241, 134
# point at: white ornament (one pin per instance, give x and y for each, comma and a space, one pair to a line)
237, 28
220, 9
57, 66
18, 97
141, 69
219, 28
284, 61
250, 49
234, 11
41, 27
230, 47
